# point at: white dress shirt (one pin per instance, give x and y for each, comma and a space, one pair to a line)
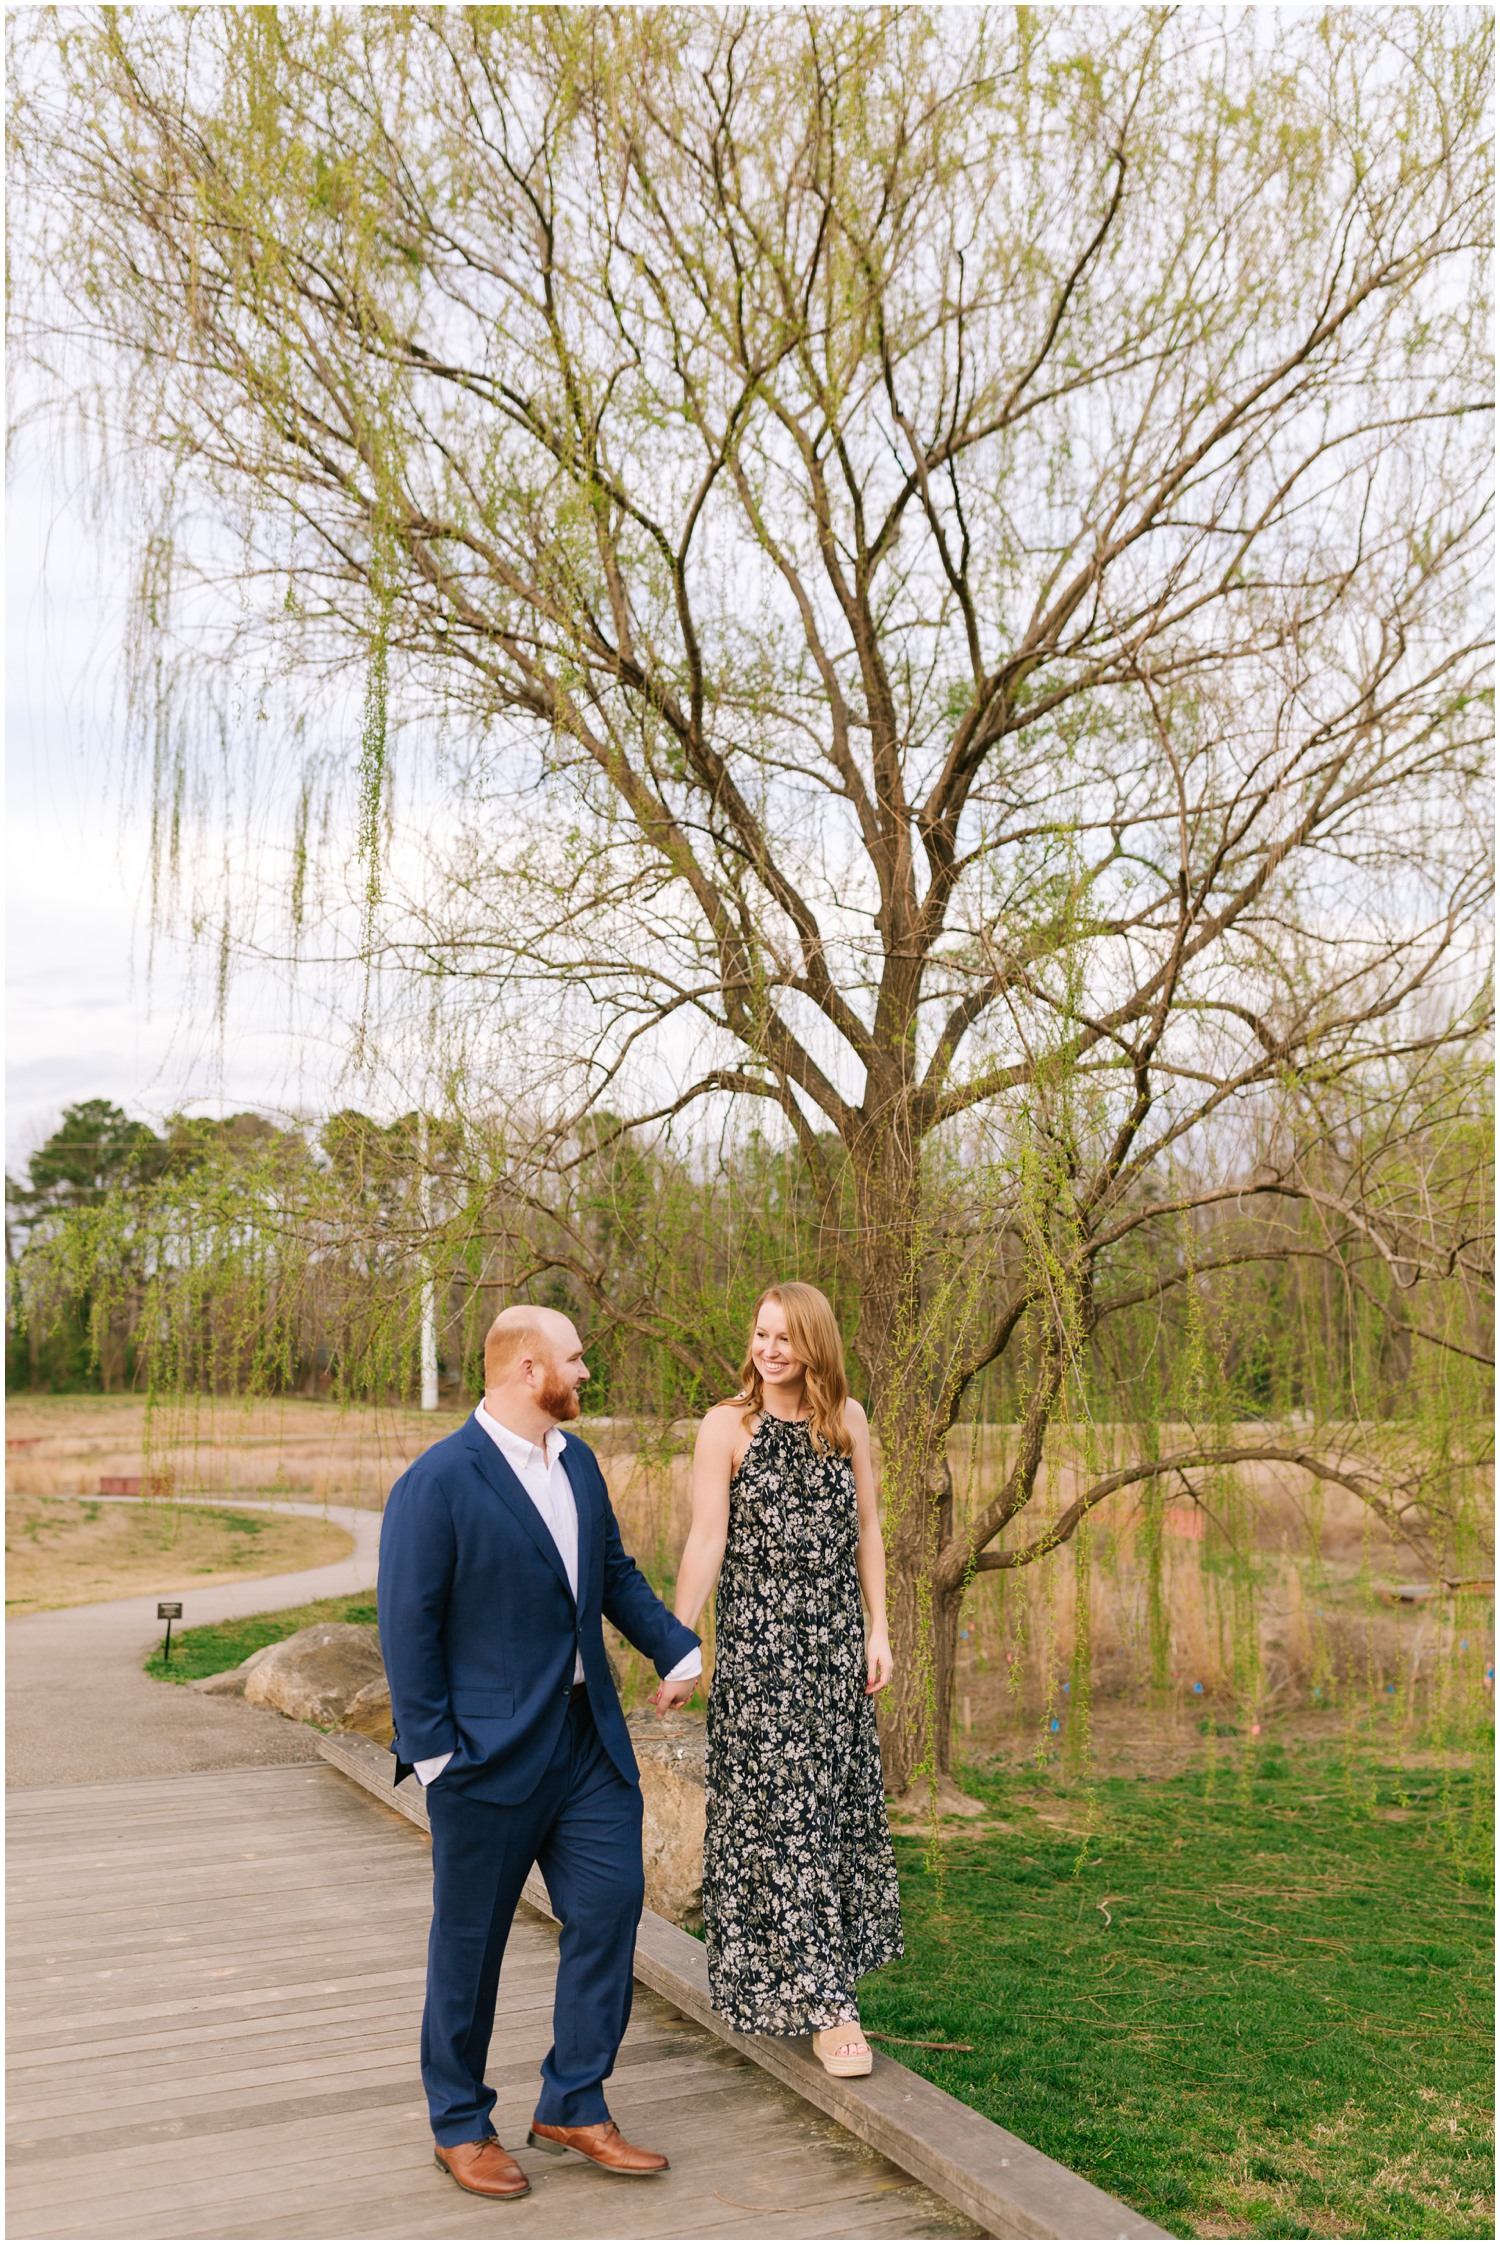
539, 1468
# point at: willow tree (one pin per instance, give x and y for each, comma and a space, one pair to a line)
976, 515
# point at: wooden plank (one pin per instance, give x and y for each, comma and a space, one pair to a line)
307, 2180
215, 1887
330, 2015
99, 2003
304, 2175
516, 2067
245, 1836
298, 1976
1003, 2183
231, 2082
102, 2032
114, 1804
395, 2032
96, 2017
678, 2109
196, 1948
376, 2222
569, 2198
199, 1948
535, 2217
204, 2113
217, 2146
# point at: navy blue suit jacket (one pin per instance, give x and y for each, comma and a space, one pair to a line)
479, 1628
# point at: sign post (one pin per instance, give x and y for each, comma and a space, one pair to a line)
168, 1610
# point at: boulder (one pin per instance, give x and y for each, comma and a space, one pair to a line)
314, 1675
369, 1713
670, 1749
229, 1683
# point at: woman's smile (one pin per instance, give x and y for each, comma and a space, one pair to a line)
774, 1357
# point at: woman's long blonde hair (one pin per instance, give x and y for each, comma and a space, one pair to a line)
813, 1331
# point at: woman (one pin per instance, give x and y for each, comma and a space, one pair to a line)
799, 1879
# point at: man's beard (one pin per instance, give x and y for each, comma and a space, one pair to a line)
557, 1397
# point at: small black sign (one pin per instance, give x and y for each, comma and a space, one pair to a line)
169, 1609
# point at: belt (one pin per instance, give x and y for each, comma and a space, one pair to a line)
579, 1691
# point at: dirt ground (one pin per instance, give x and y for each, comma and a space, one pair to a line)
70, 1552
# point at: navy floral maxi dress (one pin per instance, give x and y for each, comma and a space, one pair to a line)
799, 1878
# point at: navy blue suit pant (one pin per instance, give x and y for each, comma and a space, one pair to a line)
582, 1827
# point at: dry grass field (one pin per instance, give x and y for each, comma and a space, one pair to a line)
62, 1551
1321, 1568
60, 1445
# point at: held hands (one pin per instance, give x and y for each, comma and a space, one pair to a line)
669, 1695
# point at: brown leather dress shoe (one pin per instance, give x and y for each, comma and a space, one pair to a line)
485, 2168
601, 2142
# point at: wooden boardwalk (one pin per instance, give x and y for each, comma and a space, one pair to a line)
214, 1991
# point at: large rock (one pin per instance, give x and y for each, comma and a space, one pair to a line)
369, 1713
315, 1674
229, 1683
670, 1749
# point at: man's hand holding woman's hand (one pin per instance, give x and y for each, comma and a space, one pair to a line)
882, 1663
669, 1695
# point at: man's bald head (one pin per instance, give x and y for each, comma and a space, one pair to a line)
526, 1330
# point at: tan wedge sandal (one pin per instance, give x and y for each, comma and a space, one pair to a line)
843, 2049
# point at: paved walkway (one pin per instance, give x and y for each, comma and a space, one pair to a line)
79, 1706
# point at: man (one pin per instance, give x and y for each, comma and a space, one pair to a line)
499, 1552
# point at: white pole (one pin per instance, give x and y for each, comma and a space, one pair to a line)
429, 1346
429, 1297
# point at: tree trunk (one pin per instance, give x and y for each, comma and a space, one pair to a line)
917, 1711
905, 1385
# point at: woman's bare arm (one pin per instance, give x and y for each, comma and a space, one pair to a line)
703, 1553
714, 1461
871, 1552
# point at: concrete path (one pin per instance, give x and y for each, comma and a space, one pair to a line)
79, 1707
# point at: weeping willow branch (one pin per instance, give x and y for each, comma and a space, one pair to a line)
964, 1557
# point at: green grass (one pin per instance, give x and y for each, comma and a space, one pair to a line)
1282, 2027
216, 1645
